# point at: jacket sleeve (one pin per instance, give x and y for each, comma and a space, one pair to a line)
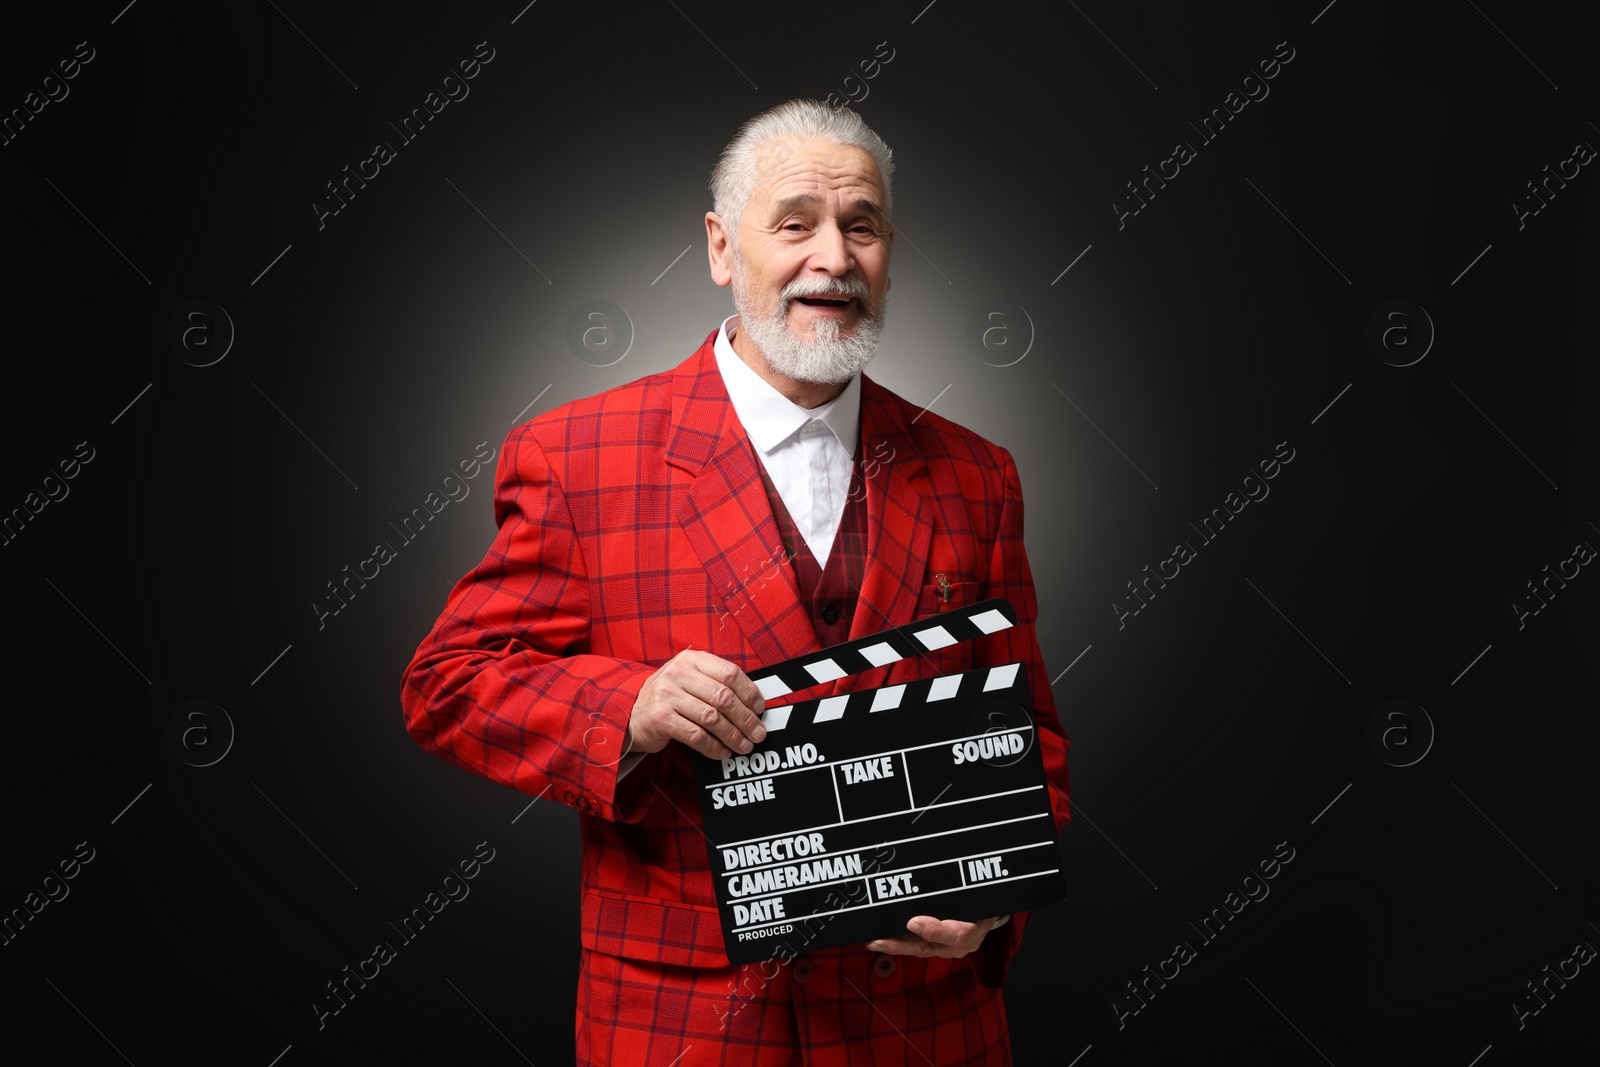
505, 686
1011, 577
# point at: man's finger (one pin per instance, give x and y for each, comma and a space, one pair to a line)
747, 716
697, 737
715, 722
738, 699
905, 945
749, 693
742, 722
912, 945
943, 931
931, 937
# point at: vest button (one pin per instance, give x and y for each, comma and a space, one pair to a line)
830, 614
884, 965
803, 966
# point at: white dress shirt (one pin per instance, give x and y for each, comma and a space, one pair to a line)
808, 452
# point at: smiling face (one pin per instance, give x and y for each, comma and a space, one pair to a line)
810, 267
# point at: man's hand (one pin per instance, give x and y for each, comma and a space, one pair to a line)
701, 700
935, 937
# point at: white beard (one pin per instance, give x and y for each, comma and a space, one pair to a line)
830, 358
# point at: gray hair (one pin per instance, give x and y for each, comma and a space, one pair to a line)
758, 147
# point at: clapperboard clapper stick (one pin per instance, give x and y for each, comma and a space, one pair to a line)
861, 810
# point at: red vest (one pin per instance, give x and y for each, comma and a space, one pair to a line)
829, 591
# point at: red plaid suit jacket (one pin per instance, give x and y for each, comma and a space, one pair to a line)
632, 525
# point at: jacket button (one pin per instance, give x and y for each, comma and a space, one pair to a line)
830, 614
803, 966
884, 965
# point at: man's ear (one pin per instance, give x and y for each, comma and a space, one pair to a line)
719, 250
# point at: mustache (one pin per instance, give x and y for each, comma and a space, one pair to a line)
850, 285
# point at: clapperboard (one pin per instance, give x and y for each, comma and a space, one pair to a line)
860, 810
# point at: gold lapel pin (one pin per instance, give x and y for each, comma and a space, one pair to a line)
944, 587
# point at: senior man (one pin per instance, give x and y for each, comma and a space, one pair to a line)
759, 501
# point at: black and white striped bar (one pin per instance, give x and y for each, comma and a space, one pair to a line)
885, 647
913, 694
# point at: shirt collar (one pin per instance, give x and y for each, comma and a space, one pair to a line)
768, 416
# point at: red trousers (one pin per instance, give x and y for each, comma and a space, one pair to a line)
843, 1007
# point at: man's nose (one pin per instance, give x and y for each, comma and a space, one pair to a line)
830, 250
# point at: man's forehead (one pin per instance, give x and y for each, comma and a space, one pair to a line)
818, 168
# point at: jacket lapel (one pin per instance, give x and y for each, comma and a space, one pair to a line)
728, 520
726, 517
899, 515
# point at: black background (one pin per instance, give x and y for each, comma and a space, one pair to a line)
375, 353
